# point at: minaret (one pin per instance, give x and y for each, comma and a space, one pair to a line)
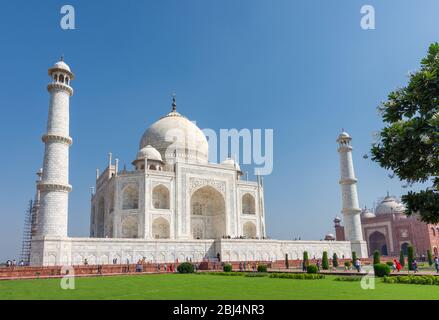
54, 185
351, 210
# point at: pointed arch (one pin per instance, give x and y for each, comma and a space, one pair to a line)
160, 197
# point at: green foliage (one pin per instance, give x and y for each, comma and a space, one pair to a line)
185, 267
299, 276
311, 268
409, 143
227, 267
325, 261
402, 258
426, 280
347, 264
430, 258
376, 257
256, 275
410, 256
334, 260
262, 268
389, 263
305, 257
354, 257
381, 270
348, 278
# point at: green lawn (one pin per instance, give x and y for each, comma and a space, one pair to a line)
181, 286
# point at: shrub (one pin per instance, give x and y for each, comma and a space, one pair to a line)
401, 258
353, 278
410, 256
381, 269
430, 258
347, 264
325, 262
262, 268
389, 263
297, 276
305, 257
185, 267
354, 257
376, 257
334, 260
312, 268
410, 279
256, 275
227, 267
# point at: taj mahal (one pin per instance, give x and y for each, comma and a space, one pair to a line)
173, 204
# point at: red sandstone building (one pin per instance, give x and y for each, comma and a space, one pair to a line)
389, 230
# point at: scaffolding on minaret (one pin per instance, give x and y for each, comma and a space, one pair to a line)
27, 234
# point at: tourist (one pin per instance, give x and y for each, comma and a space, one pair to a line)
397, 265
436, 264
415, 266
304, 265
85, 262
357, 265
318, 265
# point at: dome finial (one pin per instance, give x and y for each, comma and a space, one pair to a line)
61, 58
174, 103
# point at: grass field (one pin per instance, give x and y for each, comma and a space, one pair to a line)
184, 286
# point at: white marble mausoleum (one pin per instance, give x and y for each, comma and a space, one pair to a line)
174, 204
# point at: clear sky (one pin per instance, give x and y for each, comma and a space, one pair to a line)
303, 68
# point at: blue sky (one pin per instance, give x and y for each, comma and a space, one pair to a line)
303, 68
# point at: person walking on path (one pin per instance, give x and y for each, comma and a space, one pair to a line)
436, 264
415, 266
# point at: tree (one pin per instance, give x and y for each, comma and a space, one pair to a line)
401, 258
410, 256
334, 260
325, 261
408, 145
305, 258
376, 257
430, 258
354, 257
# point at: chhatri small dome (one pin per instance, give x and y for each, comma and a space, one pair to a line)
61, 66
337, 219
366, 213
231, 162
389, 205
178, 134
149, 152
329, 237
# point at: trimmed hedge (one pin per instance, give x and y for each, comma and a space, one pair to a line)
389, 263
298, 276
255, 275
311, 269
262, 268
347, 278
227, 267
381, 269
425, 280
334, 260
185, 267
376, 257
325, 261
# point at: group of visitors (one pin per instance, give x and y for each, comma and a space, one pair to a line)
13, 263
243, 237
248, 266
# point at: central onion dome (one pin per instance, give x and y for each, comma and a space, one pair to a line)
176, 138
389, 205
